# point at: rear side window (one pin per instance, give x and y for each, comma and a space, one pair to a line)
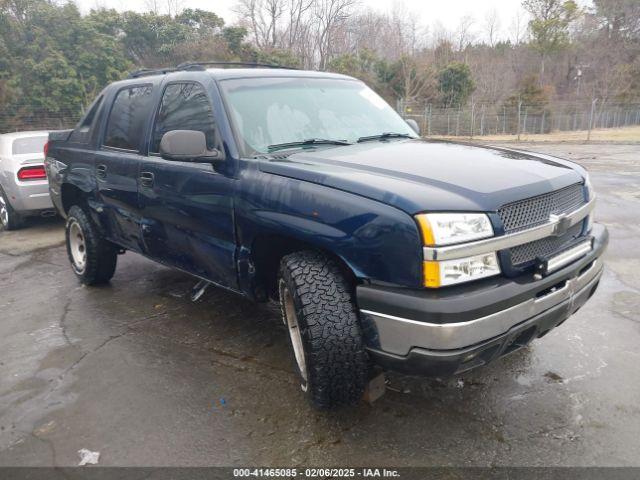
21, 146
81, 132
126, 122
184, 106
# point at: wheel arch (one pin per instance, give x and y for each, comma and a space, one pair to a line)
267, 251
71, 195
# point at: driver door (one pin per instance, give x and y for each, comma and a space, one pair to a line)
187, 208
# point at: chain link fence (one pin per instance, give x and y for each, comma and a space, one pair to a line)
26, 118
519, 119
476, 119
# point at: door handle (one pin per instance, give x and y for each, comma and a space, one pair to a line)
146, 179
101, 171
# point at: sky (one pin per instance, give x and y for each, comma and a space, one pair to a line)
430, 12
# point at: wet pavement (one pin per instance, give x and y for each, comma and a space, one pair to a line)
138, 372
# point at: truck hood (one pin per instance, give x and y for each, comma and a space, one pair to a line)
418, 175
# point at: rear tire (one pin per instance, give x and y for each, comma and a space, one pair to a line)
318, 309
9, 218
93, 259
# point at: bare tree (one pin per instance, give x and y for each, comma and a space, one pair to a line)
275, 9
174, 7
392, 50
492, 26
328, 15
518, 27
464, 33
298, 10
262, 17
406, 30
620, 19
416, 77
152, 6
440, 35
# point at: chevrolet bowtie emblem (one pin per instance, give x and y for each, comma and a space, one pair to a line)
562, 224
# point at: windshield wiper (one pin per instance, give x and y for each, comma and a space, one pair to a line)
308, 141
383, 136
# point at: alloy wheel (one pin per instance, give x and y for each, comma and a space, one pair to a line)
291, 321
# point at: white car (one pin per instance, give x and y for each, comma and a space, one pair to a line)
24, 189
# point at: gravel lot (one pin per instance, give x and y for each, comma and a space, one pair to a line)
138, 372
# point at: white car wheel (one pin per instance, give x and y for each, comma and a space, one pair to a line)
4, 212
9, 219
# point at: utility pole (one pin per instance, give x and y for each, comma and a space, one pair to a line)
593, 110
519, 110
504, 120
473, 110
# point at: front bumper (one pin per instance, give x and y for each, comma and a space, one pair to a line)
448, 331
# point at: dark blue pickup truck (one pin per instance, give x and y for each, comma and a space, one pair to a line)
304, 187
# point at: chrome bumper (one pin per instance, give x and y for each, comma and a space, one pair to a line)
398, 335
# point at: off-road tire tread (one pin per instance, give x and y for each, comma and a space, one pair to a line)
102, 255
337, 363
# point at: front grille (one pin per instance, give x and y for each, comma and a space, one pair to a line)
544, 247
535, 211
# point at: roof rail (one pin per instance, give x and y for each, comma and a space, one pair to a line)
201, 65
145, 72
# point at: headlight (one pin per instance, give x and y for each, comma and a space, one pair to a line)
589, 187
590, 196
449, 228
448, 272
439, 229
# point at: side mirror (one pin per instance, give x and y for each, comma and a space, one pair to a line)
414, 125
188, 146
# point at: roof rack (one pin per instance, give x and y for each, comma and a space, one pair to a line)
145, 72
200, 66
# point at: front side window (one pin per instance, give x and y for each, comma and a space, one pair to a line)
271, 111
125, 126
184, 106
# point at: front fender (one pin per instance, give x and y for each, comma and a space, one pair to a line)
379, 243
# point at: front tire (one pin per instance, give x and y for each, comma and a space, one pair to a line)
319, 311
93, 259
9, 218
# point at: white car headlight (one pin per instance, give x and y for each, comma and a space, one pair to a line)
449, 272
450, 228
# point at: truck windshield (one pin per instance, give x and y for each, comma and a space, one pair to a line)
275, 111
